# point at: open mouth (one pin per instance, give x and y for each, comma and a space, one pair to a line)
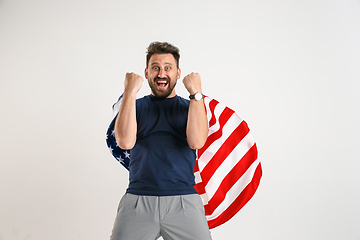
162, 84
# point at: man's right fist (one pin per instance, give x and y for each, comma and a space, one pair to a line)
132, 83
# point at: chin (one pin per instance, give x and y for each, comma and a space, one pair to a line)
161, 95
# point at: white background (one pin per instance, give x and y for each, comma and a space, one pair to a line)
291, 69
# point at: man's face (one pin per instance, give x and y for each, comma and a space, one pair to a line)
162, 74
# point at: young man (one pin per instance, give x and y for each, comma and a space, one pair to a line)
163, 131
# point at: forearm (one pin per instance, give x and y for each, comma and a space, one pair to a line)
125, 124
197, 125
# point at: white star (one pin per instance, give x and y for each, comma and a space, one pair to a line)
113, 132
127, 155
111, 149
120, 159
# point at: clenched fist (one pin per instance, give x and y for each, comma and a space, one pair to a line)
132, 83
192, 83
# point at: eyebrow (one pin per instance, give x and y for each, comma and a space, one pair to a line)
155, 63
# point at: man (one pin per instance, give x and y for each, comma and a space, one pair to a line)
163, 132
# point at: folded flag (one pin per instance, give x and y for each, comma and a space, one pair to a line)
227, 170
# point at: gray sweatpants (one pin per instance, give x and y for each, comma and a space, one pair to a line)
149, 217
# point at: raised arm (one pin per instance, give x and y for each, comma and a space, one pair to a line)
125, 124
197, 125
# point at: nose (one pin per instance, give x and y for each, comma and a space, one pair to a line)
161, 73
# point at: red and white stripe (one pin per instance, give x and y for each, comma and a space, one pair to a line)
227, 171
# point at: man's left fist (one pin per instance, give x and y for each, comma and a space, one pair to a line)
192, 83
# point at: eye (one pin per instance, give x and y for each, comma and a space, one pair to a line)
156, 68
167, 68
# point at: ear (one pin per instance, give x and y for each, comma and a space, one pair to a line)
146, 72
178, 73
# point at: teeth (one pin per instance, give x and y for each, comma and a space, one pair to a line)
162, 82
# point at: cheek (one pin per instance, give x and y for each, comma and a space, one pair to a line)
149, 75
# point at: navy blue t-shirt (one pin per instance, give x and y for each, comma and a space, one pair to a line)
162, 163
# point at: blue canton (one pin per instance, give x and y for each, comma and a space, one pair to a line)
122, 156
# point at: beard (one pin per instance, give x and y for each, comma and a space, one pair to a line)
162, 93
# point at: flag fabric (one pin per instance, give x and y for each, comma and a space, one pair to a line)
123, 156
227, 170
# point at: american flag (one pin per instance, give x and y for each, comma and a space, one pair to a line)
227, 170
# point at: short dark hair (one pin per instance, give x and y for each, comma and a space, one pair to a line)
162, 48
